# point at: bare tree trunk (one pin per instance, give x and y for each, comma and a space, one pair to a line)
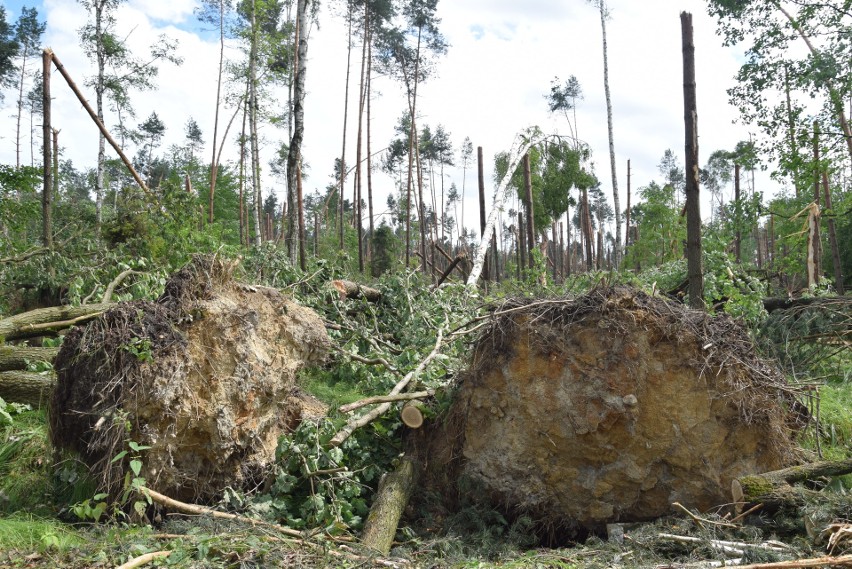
24, 56
482, 223
255, 150
519, 148
587, 231
412, 107
369, 153
693, 206
243, 221
738, 215
832, 239
627, 217
528, 202
342, 181
522, 244
816, 242
296, 221
421, 209
615, 197
214, 164
47, 189
100, 87
357, 220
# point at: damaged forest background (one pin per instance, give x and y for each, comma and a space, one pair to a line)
194, 373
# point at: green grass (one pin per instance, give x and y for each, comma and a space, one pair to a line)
26, 465
835, 420
25, 532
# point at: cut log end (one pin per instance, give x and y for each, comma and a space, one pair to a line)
411, 415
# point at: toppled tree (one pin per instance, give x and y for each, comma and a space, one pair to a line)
609, 408
205, 377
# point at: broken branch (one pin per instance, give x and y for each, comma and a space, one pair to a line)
195, 510
349, 407
357, 422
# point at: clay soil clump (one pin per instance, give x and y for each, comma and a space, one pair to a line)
205, 377
610, 407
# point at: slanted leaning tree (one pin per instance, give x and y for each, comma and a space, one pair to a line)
118, 71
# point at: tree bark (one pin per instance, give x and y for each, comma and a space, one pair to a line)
776, 490
295, 222
480, 165
348, 289
42, 320
528, 202
393, 494
693, 206
25, 387
18, 357
519, 148
255, 147
832, 239
342, 179
738, 215
815, 240
105, 135
47, 189
214, 164
615, 197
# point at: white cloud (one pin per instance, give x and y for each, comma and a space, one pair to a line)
489, 86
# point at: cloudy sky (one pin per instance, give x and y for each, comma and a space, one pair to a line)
490, 85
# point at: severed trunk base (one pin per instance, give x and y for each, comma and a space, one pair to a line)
391, 499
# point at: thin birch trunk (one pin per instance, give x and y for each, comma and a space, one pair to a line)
214, 164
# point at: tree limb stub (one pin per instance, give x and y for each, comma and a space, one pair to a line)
357, 422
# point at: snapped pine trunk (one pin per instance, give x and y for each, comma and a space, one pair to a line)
391, 499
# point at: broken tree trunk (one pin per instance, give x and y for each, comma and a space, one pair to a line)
391, 499
47, 320
775, 489
26, 387
18, 357
353, 290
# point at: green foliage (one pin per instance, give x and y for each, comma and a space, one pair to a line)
315, 486
25, 463
662, 231
26, 532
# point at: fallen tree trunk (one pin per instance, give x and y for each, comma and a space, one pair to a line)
776, 490
18, 357
44, 320
26, 387
391, 499
353, 290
